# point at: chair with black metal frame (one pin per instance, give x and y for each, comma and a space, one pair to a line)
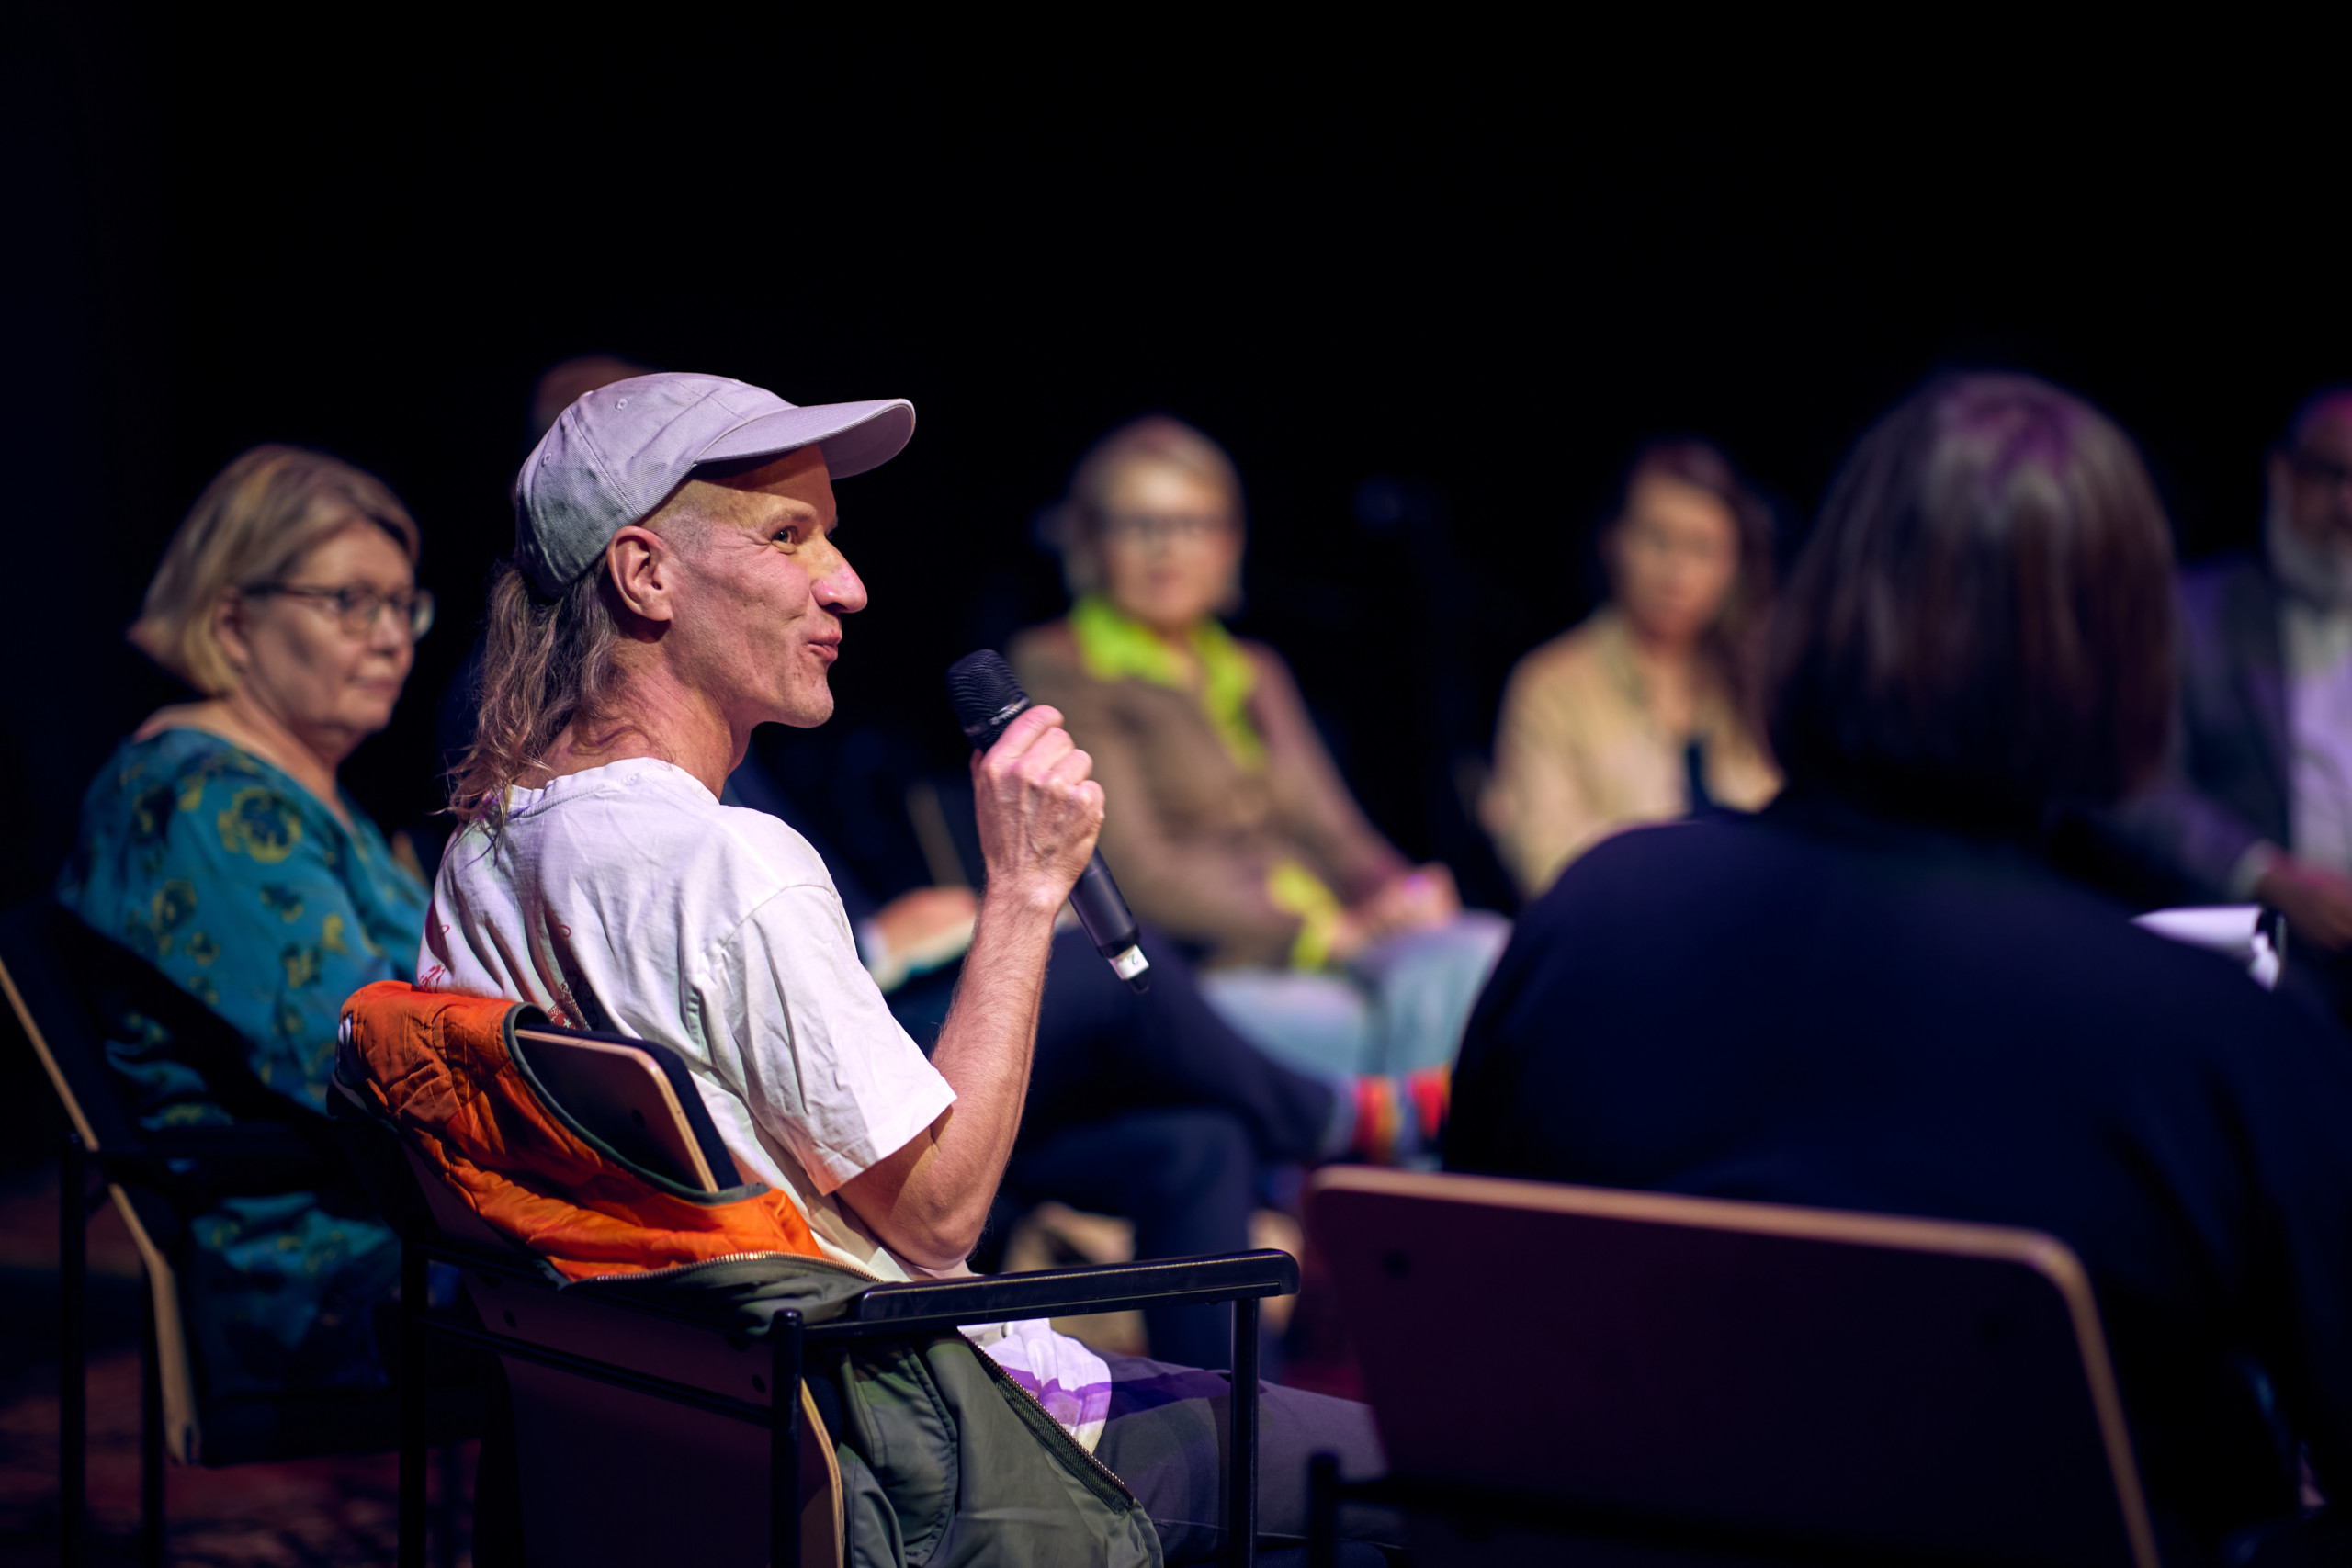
637, 1097
1685, 1381
69, 986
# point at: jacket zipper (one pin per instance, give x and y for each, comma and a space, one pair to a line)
1037, 1404
666, 1271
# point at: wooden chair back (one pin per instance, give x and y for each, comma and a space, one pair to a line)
51, 970
1749, 1375
636, 1096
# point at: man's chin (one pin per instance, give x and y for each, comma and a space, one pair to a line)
809, 711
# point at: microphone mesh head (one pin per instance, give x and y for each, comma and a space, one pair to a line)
987, 696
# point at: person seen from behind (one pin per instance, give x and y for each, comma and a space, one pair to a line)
1878, 994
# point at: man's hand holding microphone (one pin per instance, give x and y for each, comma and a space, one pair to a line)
1039, 810
1038, 813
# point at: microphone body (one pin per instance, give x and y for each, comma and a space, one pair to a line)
1110, 924
988, 697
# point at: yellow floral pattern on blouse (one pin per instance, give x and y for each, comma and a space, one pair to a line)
244, 890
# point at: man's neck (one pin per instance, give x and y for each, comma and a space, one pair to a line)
650, 713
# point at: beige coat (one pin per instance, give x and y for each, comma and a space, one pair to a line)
1577, 755
1192, 834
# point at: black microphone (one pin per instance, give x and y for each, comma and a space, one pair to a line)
988, 697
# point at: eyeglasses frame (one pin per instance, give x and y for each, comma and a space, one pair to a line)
345, 604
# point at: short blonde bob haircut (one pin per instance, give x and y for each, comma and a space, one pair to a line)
261, 513
1075, 528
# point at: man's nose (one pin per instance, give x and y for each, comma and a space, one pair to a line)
839, 588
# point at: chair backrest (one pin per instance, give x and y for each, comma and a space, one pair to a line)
48, 983
53, 971
1774, 1376
946, 828
638, 1096
677, 1484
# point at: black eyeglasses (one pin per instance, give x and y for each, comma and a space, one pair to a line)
1150, 527
355, 609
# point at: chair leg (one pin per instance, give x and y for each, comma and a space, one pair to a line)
411, 1411
444, 1517
151, 1440
73, 1385
1323, 1511
784, 1441
1241, 1484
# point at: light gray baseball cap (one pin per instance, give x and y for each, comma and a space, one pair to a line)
614, 457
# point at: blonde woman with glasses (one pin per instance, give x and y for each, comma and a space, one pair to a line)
217, 844
1229, 826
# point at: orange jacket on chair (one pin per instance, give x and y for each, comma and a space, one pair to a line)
443, 1068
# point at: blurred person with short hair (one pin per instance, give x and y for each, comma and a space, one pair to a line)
1230, 828
1645, 711
1878, 994
217, 844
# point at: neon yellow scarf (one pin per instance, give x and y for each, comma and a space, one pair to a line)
1115, 647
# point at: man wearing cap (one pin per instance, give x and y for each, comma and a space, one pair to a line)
676, 584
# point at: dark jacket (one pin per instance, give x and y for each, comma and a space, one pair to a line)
2227, 787
1817, 1006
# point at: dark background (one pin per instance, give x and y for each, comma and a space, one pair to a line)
1430, 300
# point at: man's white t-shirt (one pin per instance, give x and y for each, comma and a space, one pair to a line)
628, 899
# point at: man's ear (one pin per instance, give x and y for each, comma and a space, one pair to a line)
643, 568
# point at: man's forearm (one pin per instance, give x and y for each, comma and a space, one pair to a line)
1038, 815
990, 1034
929, 1201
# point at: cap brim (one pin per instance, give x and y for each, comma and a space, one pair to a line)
856, 436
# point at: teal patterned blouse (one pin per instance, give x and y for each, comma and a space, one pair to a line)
241, 887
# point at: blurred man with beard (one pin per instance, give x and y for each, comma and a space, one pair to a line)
2258, 805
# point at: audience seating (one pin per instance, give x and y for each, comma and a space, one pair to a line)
628, 1418
1647, 1379
67, 985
